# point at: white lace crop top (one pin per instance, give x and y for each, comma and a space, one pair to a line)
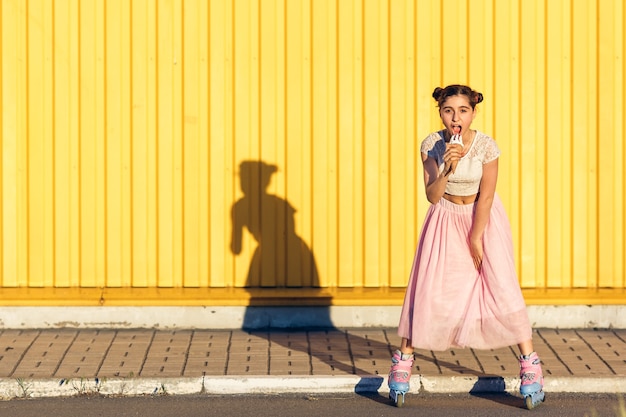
469, 171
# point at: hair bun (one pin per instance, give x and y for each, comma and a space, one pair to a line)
437, 93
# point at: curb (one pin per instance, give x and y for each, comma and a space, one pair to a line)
21, 388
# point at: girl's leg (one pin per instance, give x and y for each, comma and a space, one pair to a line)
526, 347
405, 346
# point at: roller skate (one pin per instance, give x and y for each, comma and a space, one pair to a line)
399, 376
531, 377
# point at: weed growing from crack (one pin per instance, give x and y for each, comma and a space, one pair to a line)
24, 386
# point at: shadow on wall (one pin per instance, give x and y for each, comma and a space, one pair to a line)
281, 259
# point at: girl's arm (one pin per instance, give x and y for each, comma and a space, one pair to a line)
483, 210
237, 232
435, 181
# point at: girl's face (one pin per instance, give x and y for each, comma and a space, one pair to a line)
457, 114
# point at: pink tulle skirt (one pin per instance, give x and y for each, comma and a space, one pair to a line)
448, 303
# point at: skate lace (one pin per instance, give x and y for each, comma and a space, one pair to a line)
530, 371
399, 375
528, 378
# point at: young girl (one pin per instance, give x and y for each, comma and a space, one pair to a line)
463, 289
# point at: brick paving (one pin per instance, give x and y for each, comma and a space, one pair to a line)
87, 353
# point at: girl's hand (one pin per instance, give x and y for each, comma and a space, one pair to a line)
476, 250
451, 157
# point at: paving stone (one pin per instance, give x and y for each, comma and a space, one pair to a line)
497, 362
86, 353
425, 363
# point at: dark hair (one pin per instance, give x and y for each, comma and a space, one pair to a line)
442, 94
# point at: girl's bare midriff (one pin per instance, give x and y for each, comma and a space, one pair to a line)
461, 199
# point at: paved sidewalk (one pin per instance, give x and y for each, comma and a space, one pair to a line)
143, 361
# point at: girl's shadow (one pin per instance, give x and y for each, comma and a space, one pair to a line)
281, 259
490, 387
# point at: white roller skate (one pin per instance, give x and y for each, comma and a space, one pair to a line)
531, 377
400, 376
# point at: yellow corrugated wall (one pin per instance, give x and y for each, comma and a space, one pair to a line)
131, 128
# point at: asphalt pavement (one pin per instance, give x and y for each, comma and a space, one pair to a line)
316, 405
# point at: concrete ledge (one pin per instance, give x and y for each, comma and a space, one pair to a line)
268, 297
578, 316
562, 317
10, 388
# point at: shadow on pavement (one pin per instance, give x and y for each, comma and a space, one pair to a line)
503, 398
